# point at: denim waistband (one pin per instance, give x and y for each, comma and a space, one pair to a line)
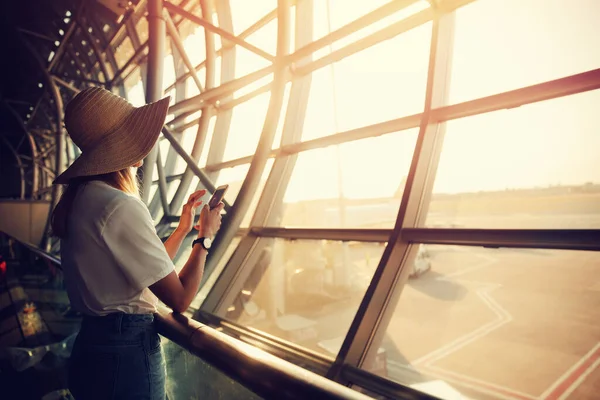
118, 321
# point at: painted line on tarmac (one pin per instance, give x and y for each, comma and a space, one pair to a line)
491, 389
502, 318
574, 376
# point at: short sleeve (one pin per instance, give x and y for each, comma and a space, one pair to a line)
130, 236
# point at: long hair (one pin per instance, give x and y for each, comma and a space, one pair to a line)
124, 180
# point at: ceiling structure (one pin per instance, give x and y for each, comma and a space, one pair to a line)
275, 100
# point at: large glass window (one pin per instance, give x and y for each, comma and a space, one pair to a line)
497, 324
246, 126
381, 83
305, 291
502, 45
353, 185
535, 166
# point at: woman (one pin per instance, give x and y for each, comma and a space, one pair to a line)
115, 266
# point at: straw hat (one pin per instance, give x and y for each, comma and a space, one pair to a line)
111, 133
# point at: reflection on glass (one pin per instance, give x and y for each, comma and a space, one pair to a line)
190, 377
535, 166
354, 185
498, 324
502, 45
209, 280
305, 291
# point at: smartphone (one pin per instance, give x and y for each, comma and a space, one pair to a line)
217, 196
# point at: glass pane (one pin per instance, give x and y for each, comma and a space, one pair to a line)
246, 126
190, 377
305, 291
244, 14
265, 38
195, 47
502, 45
391, 75
497, 324
263, 180
496, 171
235, 178
354, 185
209, 280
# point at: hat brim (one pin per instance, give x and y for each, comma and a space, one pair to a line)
128, 144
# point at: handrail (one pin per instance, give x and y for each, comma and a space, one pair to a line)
36, 250
262, 373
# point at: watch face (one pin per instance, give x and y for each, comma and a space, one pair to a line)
207, 243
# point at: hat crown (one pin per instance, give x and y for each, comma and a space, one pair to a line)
93, 114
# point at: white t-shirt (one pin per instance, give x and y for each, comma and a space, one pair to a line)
111, 253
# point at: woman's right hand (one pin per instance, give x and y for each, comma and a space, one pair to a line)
209, 221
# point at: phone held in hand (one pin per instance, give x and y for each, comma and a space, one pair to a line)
217, 196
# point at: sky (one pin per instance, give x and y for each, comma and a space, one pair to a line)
499, 45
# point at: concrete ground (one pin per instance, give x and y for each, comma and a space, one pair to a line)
501, 324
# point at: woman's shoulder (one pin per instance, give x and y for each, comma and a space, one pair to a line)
102, 199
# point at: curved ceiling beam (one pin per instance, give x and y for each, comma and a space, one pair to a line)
32, 144
207, 112
19, 163
58, 109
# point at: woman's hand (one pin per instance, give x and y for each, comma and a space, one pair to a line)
189, 211
209, 221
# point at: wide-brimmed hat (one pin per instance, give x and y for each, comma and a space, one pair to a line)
111, 133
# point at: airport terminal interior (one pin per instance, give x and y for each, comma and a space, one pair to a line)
413, 208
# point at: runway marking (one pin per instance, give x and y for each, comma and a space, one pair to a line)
574, 376
499, 391
502, 316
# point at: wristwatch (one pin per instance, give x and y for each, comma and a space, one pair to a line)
204, 242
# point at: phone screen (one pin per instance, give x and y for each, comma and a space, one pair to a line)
217, 196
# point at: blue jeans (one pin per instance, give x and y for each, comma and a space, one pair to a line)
117, 357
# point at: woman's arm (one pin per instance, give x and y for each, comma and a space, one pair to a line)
178, 291
173, 243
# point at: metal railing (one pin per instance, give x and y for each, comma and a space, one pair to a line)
262, 373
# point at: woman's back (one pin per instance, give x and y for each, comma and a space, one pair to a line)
104, 269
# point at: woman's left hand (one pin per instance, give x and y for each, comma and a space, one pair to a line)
188, 213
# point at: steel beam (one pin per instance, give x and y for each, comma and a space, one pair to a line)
207, 113
19, 164
341, 234
228, 45
252, 181
224, 116
190, 162
67, 85
564, 239
156, 52
232, 279
378, 305
219, 31
176, 40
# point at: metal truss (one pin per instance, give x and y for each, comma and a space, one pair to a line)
217, 98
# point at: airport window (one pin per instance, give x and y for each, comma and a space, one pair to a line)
496, 324
266, 37
247, 122
383, 82
235, 176
305, 291
243, 16
529, 167
502, 45
353, 185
